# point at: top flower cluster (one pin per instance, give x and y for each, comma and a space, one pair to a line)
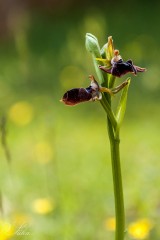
117, 67
113, 64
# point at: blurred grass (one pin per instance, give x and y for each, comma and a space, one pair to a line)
60, 159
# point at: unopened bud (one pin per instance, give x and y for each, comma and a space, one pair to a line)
91, 43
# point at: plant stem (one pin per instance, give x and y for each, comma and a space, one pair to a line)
113, 131
109, 112
117, 182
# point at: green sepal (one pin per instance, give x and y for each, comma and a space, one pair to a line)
110, 49
122, 105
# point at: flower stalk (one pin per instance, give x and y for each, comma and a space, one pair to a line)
114, 67
113, 132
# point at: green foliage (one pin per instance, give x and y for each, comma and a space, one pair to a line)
73, 170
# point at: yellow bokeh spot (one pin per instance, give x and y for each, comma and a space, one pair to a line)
21, 113
110, 224
6, 230
42, 206
20, 218
140, 229
43, 152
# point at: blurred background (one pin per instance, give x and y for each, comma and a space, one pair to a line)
55, 174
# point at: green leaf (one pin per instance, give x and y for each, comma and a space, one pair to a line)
122, 104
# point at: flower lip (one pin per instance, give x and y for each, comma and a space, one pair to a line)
78, 95
120, 68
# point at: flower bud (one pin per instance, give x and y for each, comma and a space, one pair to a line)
91, 43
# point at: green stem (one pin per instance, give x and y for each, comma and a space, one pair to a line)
113, 131
109, 112
117, 182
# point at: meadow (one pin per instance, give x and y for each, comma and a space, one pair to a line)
55, 175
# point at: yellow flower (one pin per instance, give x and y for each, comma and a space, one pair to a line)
43, 152
42, 206
21, 113
110, 224
6, 230
140, 229
20, 218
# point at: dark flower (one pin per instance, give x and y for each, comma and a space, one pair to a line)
119, 67
79, 95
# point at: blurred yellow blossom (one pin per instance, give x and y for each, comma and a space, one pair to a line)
43, 206
140, 229
6, 230
110, 224
21, 113
20, 218
43, 152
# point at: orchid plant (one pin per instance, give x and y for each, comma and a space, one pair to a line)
108, 65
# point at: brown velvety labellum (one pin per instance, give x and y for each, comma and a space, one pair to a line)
120, 68
76, 95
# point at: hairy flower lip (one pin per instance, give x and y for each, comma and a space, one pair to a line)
120, 68
75, 96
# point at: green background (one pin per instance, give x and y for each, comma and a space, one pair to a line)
42, 54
